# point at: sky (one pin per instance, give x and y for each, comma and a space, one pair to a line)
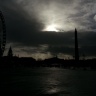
30, 25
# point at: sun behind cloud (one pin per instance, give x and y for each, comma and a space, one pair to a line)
51, 27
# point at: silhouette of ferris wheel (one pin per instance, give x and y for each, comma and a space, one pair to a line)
2, 34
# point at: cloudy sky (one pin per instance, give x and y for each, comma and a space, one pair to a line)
30, 23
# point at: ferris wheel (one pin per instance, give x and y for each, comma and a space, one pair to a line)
2, 34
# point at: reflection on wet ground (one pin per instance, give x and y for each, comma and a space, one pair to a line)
48, 82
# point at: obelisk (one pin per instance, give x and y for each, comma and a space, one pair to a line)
76, 46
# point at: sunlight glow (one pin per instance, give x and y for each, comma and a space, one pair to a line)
51, 28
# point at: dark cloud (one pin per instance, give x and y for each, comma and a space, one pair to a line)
18, 23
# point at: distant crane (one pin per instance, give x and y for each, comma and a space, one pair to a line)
2, 34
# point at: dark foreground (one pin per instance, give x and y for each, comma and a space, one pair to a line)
45, 81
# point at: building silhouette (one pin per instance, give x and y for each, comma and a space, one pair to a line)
10, 52
76, 46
